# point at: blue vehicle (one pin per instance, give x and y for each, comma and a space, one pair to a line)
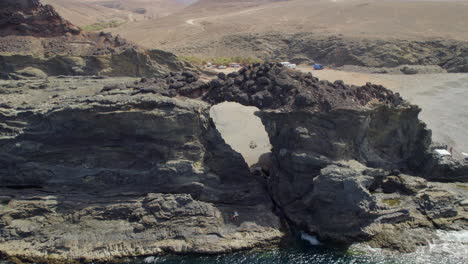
318, 66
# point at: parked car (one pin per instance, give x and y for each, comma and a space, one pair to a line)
291, 66
318, 66
221, 67
235, 65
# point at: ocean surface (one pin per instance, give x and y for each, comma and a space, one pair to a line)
449, 248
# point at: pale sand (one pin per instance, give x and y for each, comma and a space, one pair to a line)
241, 129
443, 98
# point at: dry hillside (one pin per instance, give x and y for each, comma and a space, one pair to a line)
209, 20
88, 12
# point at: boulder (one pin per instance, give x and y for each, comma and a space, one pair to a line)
30, 72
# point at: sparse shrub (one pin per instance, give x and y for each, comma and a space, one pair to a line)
103, 25
221, 60
194, 60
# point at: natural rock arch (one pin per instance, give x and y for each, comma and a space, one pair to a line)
241, 129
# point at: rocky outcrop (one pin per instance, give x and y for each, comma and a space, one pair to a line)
54, 46
91, 54
337, 51
311, 121
146, 174
347, 202
313, 129
139, 168
31, 18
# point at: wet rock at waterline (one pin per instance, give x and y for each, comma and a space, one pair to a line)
142, 167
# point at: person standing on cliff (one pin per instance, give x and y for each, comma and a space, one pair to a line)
235, 216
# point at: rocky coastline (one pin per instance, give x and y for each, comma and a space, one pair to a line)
139, 169
98, 165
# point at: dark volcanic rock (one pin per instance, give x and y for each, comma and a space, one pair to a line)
31, 18
272, 86
344, 203
141, 167
148, 173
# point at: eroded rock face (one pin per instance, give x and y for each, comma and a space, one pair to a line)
89, 227
145, 161
348, 202
146, 173
311, 121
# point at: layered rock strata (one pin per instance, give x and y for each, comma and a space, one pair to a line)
139, 168
103, 177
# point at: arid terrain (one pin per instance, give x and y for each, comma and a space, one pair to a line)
367, 33
391, 19
87, 12
172, 25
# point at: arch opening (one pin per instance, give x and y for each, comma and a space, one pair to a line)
242, 130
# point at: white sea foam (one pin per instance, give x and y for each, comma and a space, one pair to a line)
453, 244
149, 260
311, 239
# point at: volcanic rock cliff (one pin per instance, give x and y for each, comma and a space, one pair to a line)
35, 42
139, 168
31, 18
102, 177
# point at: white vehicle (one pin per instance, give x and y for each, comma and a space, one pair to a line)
209, 64
235, 65
291, 66
442, 152
221, 67
285, 63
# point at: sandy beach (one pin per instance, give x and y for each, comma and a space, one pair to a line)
241, 129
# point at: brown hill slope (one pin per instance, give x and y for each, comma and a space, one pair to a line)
353, 18
84, 12
357, 32
87, 12
36, 41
